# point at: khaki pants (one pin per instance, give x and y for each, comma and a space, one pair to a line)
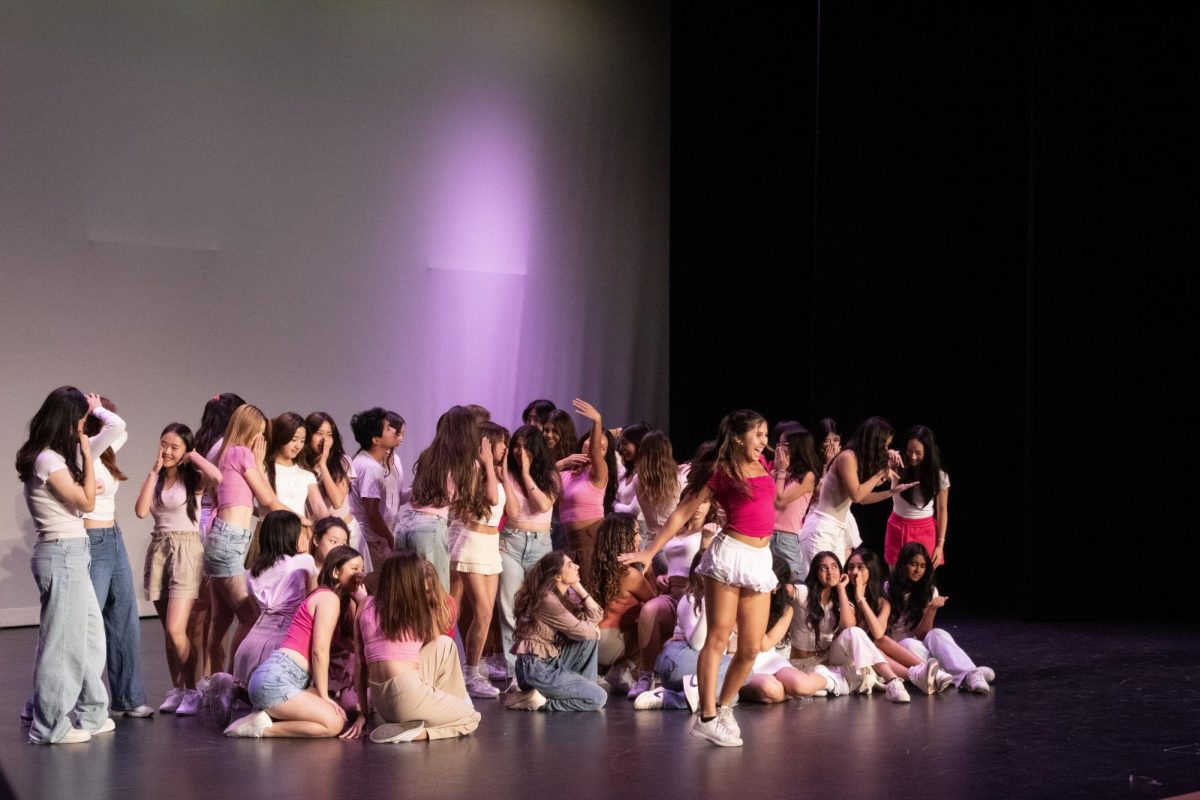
435, 693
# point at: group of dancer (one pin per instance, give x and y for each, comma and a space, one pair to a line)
538, 559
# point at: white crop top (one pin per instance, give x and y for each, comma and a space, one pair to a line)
680, 552
493, 520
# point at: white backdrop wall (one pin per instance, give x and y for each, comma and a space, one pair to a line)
327, 207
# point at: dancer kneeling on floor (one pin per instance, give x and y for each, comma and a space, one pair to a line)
824, 631
416, 683
290, 690
557, 640
620, 590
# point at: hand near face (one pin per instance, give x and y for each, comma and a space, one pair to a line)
843, 581
523, 455
938, 601
895, 460
93, 401
782, 458
158, 460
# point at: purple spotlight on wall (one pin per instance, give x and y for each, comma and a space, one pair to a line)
483, 192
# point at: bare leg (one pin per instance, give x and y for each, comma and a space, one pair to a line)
482, 591
656, 621
763, 689
752, 610
304, 716
221, 617
174, 614
197, 627
799, 684
720, 611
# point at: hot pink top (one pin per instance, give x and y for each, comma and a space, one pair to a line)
377, 646
791, 518
299, 633
752, 515
580, 499
233, 489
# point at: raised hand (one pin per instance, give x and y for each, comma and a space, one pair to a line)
782, 458
523, 454
93, 401
586, 409
895, 460
938, 601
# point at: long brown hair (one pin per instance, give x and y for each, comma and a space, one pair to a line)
617, 535
336, 559
109, 457
657, 472
453, 453
283, 428
539, 581
726, 455
410, 601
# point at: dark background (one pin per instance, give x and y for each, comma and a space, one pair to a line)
992, 235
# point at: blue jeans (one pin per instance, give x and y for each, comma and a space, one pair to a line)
568, 682
429, 537
787, 546
676, 660
519, 550
70, 652
113, 581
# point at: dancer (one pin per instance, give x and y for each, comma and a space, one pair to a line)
291, 691
376, 492
328, 534
915, 601
112, 579
326, 457
737, 565
629, 440
561, 439
55, 463
920, 513
557, 640
171, 495
852, 477
537, 412
411, 667
448, 476
531, 487
796, 470
620, 590
475, 563
295, 484
589, 487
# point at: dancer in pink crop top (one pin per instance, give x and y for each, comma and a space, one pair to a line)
408, 669
319, 630
589, 487
737, 565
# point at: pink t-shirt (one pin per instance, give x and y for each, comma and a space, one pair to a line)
580, 499
233, 489
791, 518
752, 515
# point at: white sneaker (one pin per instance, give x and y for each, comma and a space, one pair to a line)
988, 674
478, 685
141, 712
974, 681
896, 691
691, 690
189, 706
868, 682
715, 732
108, 726
944, 680
525, 701
650, 700
725, 714
620, 676
220, 695
174, 698
250, 726
392, 732
74, 736
645, 683
202, 686
497, 667
840, 685
924, 676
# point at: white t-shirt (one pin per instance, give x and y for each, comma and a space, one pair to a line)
691, 622
898, 629
291, 486
372, 481
284, 584
921, 508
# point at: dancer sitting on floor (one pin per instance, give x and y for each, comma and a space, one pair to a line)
915, 602
824, 631
557, 640
620, 590
410, 666
290, 691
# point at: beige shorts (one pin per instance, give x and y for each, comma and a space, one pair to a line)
173, 563
476, 552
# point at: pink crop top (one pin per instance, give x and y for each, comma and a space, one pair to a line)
752, 515
525, 515
299, 633
791, 518
580, 499
233, 489
378, 647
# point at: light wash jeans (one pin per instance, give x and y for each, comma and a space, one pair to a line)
677, 660
113, 581
568, 682
70, 652
428, 536
941, 645
787, 546
519, 550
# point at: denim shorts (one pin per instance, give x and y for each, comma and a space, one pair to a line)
225, 549
277, 680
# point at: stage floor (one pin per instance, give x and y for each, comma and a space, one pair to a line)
1076, 711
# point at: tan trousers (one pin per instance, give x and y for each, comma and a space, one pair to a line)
434, 693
